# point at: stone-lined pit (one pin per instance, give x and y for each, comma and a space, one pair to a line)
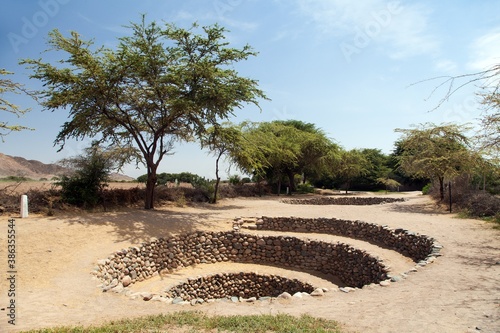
355, 201
354, 267
244, 285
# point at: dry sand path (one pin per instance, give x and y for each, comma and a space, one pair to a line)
457, 293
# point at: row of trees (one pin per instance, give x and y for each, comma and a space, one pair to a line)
163, 84
292, 151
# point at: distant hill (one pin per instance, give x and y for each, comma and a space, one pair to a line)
33, 169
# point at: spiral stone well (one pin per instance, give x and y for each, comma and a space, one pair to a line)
354, 267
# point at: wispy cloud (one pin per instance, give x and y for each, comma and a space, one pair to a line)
223, 15
485, 51
401, 29
445, 65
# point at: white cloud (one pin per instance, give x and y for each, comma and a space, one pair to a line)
445, 65
485, 51
401, 29
216, 15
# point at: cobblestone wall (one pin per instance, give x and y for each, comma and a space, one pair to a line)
354, 267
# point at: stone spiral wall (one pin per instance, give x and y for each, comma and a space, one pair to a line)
417, 247
245, 285
359, 201
354, 267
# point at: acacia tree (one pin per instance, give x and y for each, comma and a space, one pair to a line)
489, 82
221, 140
350, 164
161, 84
9, 86
315, 152
435, 152
490, 122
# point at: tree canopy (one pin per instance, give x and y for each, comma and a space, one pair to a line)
282, 149
437, 152
160, 85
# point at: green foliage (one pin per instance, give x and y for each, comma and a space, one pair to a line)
8, 86
305, 188
191, 321
390, 184
235, 180
91, 173
436, 152
278, 151
16, 179
376, 168
221, 140
162, 84
183, 177
426, 189
351, 164
246, 180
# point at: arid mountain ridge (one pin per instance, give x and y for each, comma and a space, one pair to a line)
33, 169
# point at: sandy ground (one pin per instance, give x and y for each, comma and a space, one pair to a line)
459, 292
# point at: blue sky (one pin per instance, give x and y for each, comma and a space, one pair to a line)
347, 66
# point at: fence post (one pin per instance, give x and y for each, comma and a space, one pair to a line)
24, 206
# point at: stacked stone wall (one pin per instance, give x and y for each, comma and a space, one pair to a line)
354, 267
417, 247
244, 285
358, 201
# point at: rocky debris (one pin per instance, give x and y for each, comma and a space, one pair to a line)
358, 201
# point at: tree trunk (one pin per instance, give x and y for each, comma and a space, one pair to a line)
150, 188
291, 181
217, 179
441, 188
279, 184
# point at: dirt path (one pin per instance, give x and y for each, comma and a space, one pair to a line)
458, 293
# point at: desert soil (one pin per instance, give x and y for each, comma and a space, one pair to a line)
459, 292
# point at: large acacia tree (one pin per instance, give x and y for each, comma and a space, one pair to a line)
161, 84
278, 149
437, 152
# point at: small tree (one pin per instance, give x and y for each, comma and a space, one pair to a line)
90, 176
221, 140
350, 164
389, 183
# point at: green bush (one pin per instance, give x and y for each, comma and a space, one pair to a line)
85, 186
305, 188
234, 180
426, 189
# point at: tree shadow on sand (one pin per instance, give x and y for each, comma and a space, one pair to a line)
426, 208
136, 225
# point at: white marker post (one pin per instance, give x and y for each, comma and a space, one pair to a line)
24, 206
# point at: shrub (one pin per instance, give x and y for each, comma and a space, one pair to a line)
234, 180
305, 188
85, 186
426, 189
